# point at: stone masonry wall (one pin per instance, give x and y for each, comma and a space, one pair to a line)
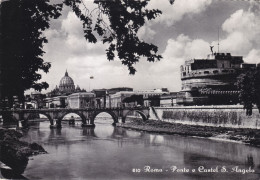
224, 116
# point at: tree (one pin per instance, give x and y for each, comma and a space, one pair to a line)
248, 84
22, 23
21, 27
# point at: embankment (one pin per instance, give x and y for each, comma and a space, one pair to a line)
245, 135
215, 116
15, 153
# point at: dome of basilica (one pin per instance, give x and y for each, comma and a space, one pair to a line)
66, 80
66, 83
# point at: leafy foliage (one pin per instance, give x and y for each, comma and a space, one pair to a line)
125, 19
249, 85
23, 22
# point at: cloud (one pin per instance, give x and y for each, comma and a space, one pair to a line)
236, 43
69, 40
51, 33
86, 62
146, 32
243, 31
74, 39
253, 56
180, 8
254, 7
177, 51
72, 25
244, 19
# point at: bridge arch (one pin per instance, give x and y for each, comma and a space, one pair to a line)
83, 118
111, 113
47, 115
142, 114
32, 115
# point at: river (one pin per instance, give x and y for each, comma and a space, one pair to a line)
108, 152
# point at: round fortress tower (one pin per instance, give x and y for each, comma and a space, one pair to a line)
211, 80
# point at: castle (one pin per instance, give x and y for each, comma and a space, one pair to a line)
211, 81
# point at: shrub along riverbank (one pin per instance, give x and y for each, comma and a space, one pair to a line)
249, 136
15, 153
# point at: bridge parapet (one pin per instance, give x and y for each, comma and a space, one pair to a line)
73, 109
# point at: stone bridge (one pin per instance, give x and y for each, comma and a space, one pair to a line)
87, 115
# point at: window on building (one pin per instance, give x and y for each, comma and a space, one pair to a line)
206, 72
215, 71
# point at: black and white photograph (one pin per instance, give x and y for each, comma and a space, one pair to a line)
129, 89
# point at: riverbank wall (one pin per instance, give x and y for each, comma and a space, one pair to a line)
216, 116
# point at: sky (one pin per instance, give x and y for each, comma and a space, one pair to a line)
184, 31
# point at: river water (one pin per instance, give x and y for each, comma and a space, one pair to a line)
108, 152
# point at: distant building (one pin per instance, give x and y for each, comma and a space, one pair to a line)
118, 89
211, 80
116, 100
111, 97
167, 100
152, 97
56, 102
100, 97
136, 98
81, 100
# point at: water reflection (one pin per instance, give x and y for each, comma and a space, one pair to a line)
107, 152
86, 131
